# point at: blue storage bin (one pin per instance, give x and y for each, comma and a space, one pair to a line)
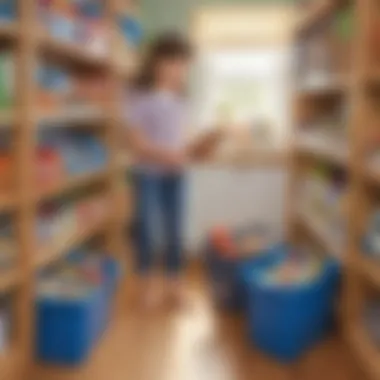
68, 329
272, 256
286, 321
227, 276
65, 329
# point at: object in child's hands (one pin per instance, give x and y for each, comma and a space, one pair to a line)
223, 241
205, 145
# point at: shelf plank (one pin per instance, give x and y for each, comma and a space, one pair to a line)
7, 203
9, 279
327, 149
320, 11
61, 245
370, 269
8, 363
332, 85
72, 52
373, 174
369, 355
9, 30
72, 183
321, 234
72, 116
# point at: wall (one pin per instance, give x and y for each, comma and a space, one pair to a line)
233, 197
160, 15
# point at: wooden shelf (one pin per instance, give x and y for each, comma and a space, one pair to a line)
73, 183
368, 354
66, 241
332, 85
31, 42
72, 52
370, 269
321, 10
373, 175
9, 30
7, 203
9, 363
8, 280
328, 149
72, 116
356, 107
321, 234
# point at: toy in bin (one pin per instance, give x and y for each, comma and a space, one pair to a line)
222, 240
241, 244
230, 255
296, 269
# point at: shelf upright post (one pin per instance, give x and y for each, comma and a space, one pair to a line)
114, 121
358, 202
25, 150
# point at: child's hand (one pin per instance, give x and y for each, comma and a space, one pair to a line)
176, 160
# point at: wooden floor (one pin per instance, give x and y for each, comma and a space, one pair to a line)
195, 343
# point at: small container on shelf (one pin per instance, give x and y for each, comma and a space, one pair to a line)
6, 317
7, 76
8, 10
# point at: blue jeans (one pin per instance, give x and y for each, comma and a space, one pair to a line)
159, 202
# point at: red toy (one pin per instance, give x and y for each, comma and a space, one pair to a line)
223, 241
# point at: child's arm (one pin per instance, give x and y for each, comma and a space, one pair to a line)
205, 145
141, 146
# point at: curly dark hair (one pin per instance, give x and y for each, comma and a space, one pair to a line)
165, 47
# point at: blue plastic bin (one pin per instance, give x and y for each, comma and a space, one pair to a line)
285, 321
227, 276
68, 329
272, 256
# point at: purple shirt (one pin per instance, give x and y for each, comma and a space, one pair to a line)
161, 117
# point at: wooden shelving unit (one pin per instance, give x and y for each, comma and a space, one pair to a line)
361, 274
30, 44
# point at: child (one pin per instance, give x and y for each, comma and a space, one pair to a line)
156, 118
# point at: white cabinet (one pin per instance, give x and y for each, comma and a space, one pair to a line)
233, 197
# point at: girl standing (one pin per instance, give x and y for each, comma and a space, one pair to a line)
157, 123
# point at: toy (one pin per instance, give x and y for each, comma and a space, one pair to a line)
223, 241
296, 269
